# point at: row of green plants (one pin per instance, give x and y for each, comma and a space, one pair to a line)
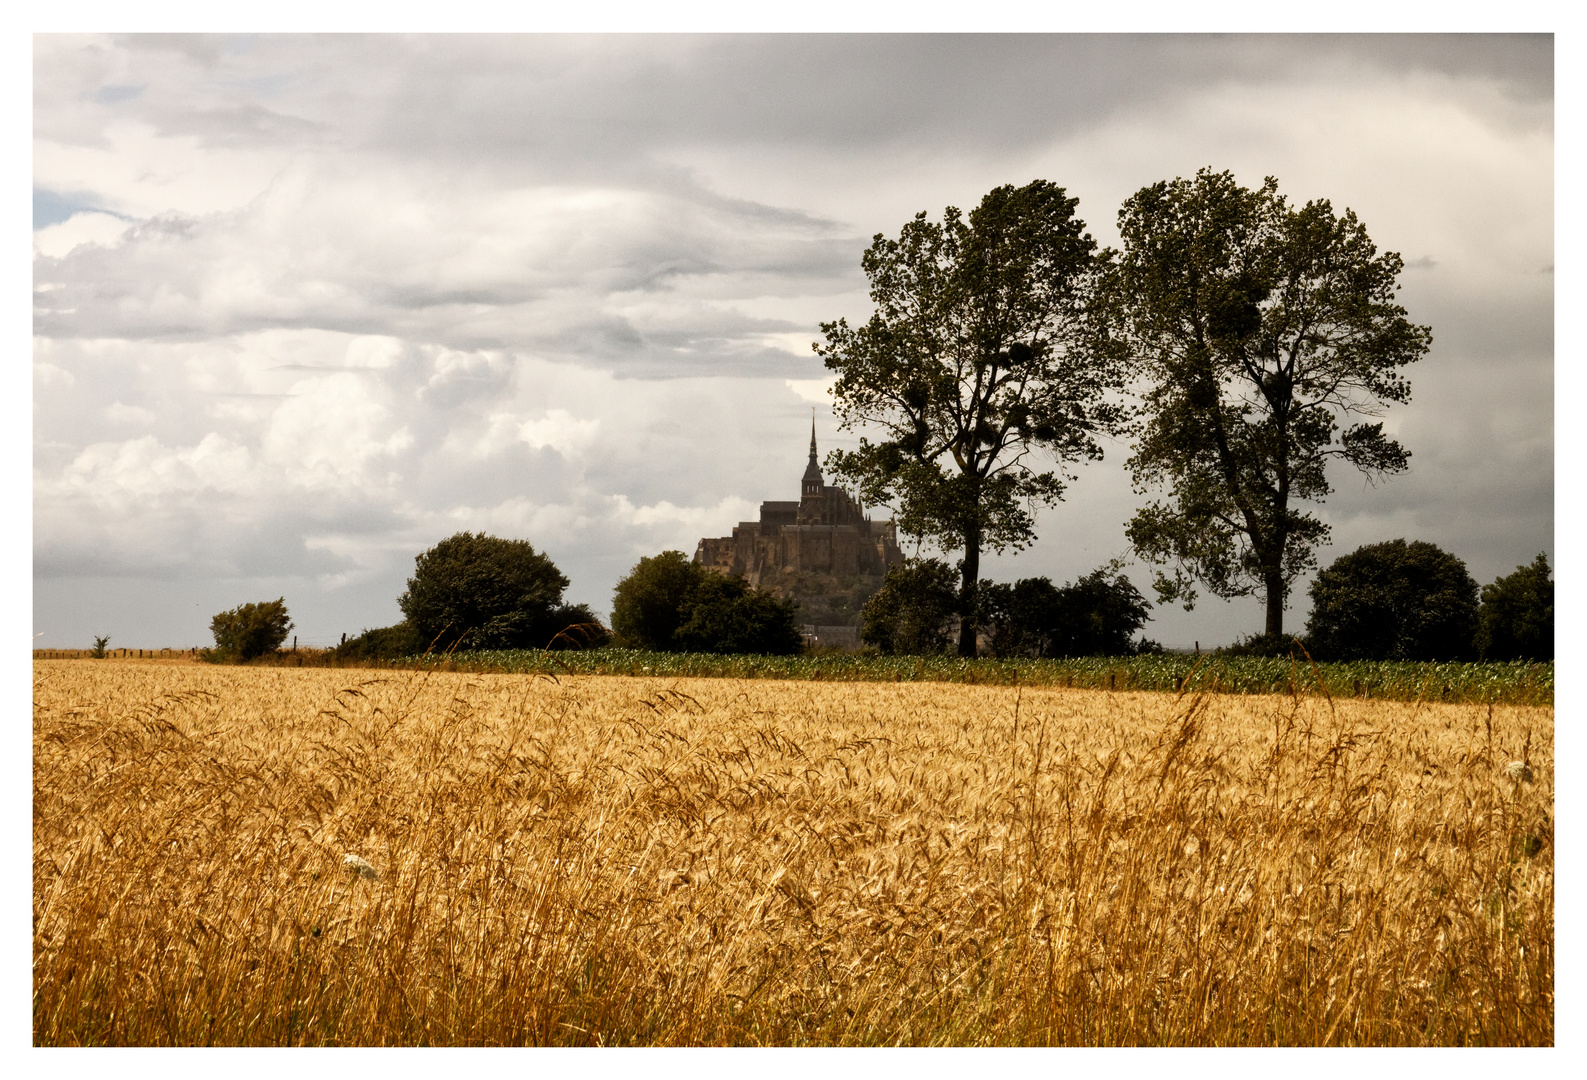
1504, 683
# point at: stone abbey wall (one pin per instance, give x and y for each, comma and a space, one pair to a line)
821, 550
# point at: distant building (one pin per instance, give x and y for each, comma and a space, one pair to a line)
822, 551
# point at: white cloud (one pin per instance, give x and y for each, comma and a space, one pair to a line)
817, 391
144, 467
47, 375
334, 433
730, 510
130, 415
561, 431
381, 352
86, 227
140, 172
450, 260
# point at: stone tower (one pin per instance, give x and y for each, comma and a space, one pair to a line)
812, 486
822, 551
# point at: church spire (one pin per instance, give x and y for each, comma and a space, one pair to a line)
813, 483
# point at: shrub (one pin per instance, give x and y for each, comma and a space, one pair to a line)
579, 629
1021, 616
1099, 615
98, 651
1266, 645
1396, 600
1516, 620
482, 592
385, 643
912, 612
668, 604
1095, 616
251, 630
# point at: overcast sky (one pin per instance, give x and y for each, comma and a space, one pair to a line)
305, 306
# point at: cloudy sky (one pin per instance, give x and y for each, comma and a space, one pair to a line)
304, 306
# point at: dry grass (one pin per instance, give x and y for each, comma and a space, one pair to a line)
610, 860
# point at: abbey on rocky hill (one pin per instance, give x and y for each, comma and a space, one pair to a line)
821, 550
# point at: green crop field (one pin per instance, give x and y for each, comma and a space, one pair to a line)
1497, 683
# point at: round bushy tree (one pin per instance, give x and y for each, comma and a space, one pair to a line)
251, 630
1516, 620
1098, 616
668, 604
912, 613
649, 604
482, 592
1396, 600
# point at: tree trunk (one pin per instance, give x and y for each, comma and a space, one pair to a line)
967, 598
1275, 603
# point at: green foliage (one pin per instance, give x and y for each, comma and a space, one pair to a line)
1023, 617
1095, 616
251, 630
668, 604
1268, 645
649, 604
725, 615
402, 640
385, 643
1501, 684
1393, 601
483, 592
580, 629
1098, 615
98, 651
912, 612
1259, 329
981, 350
1516, 620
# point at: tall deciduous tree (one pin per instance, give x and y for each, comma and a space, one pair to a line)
1258, 330
980, 353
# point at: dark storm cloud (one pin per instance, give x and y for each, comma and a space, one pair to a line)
563, 104
859, 92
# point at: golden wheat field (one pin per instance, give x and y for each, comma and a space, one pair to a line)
334, 857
